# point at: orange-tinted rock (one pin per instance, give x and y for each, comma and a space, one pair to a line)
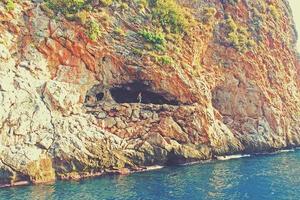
169, 128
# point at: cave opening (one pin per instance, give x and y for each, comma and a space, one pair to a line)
99, 96
94, 95
138, 92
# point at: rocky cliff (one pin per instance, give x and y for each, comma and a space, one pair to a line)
93, 87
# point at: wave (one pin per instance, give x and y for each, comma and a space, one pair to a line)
228, 157
276, 152
196, 162
154, 167
233, 156
285, 150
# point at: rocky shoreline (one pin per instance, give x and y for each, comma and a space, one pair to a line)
125, 171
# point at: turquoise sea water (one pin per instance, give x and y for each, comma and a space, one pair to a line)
259, 177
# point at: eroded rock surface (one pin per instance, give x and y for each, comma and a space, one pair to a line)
59, 118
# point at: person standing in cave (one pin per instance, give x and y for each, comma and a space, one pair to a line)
139, 97
107, 96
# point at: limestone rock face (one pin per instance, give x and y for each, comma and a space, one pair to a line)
71, 107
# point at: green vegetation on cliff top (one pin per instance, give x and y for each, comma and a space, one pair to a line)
163, 22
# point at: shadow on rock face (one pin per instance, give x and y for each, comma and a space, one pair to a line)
138, 92
133, 92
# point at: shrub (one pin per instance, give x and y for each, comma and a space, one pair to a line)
159, 47
119, 31
93, 30
232, 26
10, 5
209, 12
142, 3
137, 52
165, 60
66, 6
171, 15
82, 16
274, 12
237, 35
106, 2
155, 38
124, 6
257, 21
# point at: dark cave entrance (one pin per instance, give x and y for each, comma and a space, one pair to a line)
138, 92
94, 95
99, 96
